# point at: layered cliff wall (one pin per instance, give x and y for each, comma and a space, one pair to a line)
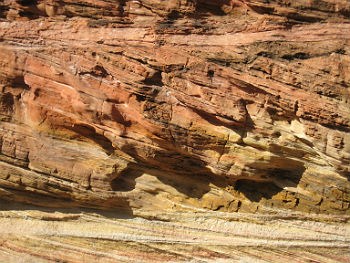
171, 105
174, 131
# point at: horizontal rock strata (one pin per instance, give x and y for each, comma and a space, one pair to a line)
170, 105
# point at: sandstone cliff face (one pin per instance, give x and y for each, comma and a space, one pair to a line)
176, 105
174, 119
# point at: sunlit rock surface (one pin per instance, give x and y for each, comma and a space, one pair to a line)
150, 108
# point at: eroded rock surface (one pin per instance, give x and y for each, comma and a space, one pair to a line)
176, 105
51, 235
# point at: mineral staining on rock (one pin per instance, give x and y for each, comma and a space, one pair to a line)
176, 105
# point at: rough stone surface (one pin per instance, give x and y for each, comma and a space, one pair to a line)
29, 235
180, 105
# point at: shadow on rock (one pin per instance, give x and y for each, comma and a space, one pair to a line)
255, 191
194, 186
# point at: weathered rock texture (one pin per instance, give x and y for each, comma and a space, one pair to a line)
167, 110
171, 105
28, 235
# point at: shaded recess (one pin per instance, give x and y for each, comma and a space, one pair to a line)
18, 82
30, 9
247, 123
3, 11
213, 7
255, 191
154, 79
174, 169
299, 55
28, 2
89, 132
6, 102
196, 185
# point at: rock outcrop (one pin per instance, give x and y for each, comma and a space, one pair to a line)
176, 105
174, 131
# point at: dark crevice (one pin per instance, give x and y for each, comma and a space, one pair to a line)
336, 127
173, 16
7, 102
210, 10
140, 97
262, 9
210, 73
303, 18
97, 71
28, 14
18, 82
212, 119
265, 54
154, 79
214, 7
276, 180
340, 51
28, 2
255, 191
345, 12
121, 9
3, 11
220, 62
299, 55
126, 181
30, 9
